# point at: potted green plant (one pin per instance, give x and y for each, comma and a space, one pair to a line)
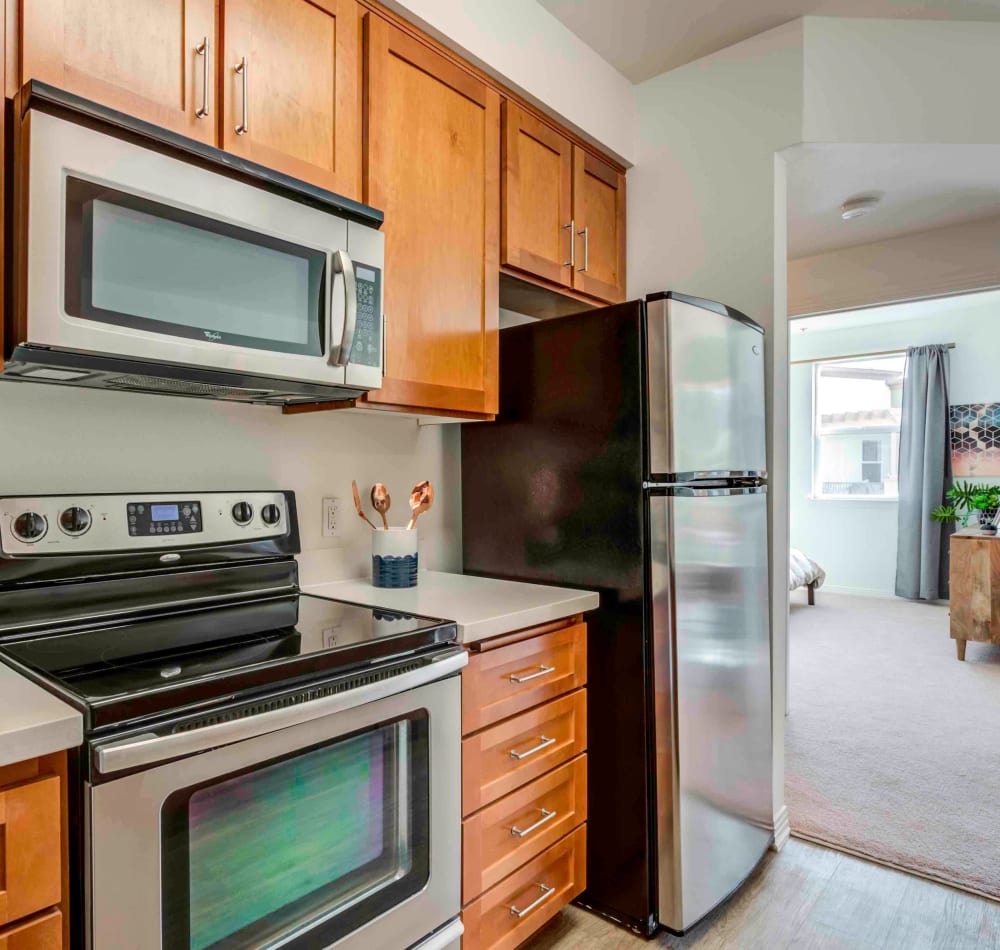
969, 497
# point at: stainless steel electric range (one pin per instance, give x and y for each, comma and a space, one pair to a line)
260, 767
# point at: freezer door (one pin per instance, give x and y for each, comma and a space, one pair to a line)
712, 694
705, 373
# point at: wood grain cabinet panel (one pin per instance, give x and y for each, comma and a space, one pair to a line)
433, 167
537, 232
504, 757
502, 682
30, 848
599, 212
501, 837
38, 933
301, 88
137, 56
501, 920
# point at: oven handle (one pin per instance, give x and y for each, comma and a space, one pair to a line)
149, 749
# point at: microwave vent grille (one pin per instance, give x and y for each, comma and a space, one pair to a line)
180, 386
295, 699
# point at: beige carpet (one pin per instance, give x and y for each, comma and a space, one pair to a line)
893, 745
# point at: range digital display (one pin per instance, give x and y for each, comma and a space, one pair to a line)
160, 517
164, 512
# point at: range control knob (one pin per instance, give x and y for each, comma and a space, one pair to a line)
271, 514
75, 520
242, 512
30, 526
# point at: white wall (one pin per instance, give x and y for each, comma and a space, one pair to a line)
525, 46
58, 439
897, 81
928, 263
855, 540
707, 194
706, 217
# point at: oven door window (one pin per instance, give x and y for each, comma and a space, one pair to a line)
302, 850
136, 263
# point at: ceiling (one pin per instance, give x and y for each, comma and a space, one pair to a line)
922, 187
643, 38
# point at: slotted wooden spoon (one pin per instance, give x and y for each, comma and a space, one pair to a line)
381, 502
421, 498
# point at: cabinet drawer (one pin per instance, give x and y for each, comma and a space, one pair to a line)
499, 683
506, 756
506, 834
40, 933
501, 919
30, 848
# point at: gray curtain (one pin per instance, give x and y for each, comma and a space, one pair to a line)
924, 475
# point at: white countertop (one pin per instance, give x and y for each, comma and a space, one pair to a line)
33, 722
480, 606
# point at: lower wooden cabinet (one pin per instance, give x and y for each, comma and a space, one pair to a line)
506, 915
519, 827
44, 932
34, 861
524, 782
30, 859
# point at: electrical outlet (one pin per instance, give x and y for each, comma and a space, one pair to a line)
331, 518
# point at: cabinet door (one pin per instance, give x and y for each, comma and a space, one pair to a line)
39, 933
30, 856
138, 56
296, 105
433, 167
537, 232
599, 210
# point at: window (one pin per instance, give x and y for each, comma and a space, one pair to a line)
857, 406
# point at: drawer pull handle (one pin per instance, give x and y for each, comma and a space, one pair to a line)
546, 817
542, 671
547, 892
544, 744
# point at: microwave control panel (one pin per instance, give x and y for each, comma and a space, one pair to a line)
367, 348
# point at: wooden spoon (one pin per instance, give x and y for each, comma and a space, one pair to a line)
381, 502
357, 504
421, 498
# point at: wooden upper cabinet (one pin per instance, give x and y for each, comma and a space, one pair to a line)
537, 233
599, 211
296, 105
433, 167
138, 56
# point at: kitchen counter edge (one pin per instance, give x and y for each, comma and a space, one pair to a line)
33, 722
481, 607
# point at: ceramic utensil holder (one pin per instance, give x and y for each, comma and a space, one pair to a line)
394, 557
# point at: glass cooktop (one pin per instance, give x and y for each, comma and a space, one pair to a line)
130, 671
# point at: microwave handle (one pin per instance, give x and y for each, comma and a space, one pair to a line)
148, 748
342, 264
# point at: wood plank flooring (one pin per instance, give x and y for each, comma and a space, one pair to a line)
810, 898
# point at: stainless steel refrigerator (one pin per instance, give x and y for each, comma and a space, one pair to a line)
629, 458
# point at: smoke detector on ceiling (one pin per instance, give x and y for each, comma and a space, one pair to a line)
859, 207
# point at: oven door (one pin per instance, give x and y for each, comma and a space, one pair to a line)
166, 261
342, 829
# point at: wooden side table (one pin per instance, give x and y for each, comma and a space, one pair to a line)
975, 589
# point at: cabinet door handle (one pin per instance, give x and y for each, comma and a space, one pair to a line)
547, 892
542, 670
585, 234
205, 51
547, 816
243, 69
544, 744
571, 227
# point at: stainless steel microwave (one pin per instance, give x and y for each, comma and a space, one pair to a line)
144, 265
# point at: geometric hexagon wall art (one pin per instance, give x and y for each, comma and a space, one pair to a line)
975, 439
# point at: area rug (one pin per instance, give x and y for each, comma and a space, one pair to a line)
892, 744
